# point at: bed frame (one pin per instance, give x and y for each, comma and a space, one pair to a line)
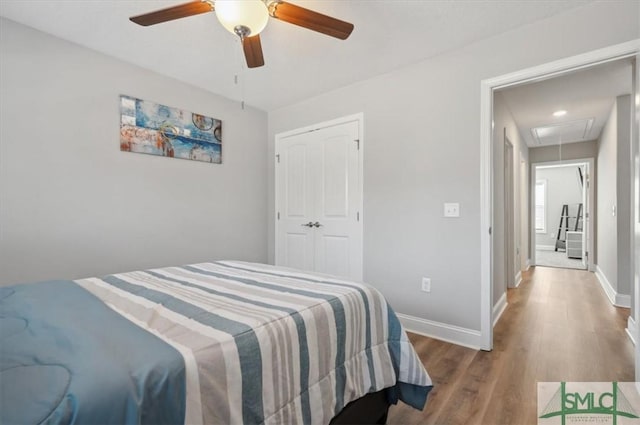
370, 409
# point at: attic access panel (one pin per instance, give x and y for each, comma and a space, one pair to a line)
566, 132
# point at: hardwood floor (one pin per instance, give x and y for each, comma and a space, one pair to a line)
558, 326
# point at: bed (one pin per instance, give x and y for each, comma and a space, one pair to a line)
224, 342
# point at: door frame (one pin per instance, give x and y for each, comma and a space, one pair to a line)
359, 118
632, 322
509, 211
551, 69
590, 193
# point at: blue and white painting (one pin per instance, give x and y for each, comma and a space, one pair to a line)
151, 128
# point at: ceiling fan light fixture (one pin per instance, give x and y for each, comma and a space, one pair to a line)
247, 18
239, 15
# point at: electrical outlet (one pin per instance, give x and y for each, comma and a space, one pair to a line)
426, 284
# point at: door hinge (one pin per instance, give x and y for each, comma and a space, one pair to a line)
278, 157
278, 215
586, 215
357, 143
489, 230
358, 216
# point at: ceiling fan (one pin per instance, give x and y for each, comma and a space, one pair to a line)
247, 18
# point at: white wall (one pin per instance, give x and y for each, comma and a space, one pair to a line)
504, 125
606, 230
73, 205
422, 148
563, 187
623, 193
613, 187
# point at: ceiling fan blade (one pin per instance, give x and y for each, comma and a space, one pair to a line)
253, 51
174, 12
311, 20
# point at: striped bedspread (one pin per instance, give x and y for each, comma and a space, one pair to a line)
263, 344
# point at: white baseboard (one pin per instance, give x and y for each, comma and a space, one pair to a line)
619, 300
545, 247
442, 331
623, 300
518, 280
499, 308
632, 329
528, 265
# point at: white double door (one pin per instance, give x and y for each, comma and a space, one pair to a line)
318, 200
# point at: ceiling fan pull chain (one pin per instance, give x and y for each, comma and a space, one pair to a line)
235, 80
238, 80
242, 85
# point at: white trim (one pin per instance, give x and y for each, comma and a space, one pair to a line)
486, 213
556, 164
518, 280
623, 301
606, 285
544, 71
331, 123
359, 118
528, 265
499, 308
632, 329
619, 300
567, 65
442, 331
543, 230
545, 248
635, 197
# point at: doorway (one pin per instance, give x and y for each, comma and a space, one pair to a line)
319, 198
542, 72
561, 207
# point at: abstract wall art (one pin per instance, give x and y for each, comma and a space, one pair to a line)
151, 128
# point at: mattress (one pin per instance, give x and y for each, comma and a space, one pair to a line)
225, 342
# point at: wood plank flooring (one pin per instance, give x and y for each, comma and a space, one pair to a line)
558, 326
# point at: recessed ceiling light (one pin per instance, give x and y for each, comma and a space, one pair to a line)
560, 113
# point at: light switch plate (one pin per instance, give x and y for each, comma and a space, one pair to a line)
452, 210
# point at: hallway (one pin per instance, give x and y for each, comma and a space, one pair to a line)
549, 258
558, 326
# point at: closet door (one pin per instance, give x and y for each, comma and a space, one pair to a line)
338, 237
295, 193
318, 196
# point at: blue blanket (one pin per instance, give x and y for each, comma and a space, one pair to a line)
65, 357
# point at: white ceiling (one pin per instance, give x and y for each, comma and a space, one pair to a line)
299, 63
586, 95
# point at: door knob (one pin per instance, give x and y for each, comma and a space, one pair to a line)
317, 224
309, 224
